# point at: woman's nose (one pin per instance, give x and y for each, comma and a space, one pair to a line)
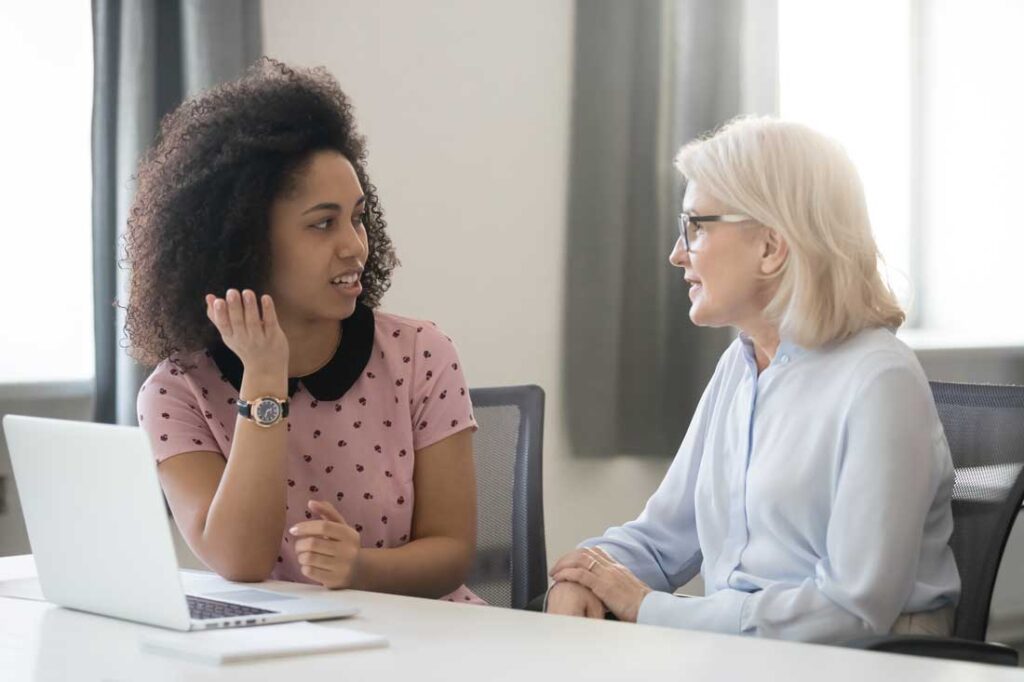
350, 243
679, 257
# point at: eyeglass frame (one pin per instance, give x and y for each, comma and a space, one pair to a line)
685, 219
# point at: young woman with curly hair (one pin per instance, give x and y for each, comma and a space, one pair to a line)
301, 433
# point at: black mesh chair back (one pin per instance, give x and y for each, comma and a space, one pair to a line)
511, 562
984, 425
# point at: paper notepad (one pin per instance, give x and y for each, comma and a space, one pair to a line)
261, 641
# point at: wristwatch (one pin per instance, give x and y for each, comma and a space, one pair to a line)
264, 411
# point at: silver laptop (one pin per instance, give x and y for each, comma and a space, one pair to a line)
101, 536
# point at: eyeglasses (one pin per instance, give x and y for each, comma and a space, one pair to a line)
691, 230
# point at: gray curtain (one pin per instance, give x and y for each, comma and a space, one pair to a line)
148, 56
649, 75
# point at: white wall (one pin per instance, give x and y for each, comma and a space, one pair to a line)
56, 401
466, 107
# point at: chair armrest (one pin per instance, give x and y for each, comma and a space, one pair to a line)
952, 648
537, 603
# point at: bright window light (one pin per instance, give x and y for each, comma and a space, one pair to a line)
844, 69
46, 252
974, 167
925, 98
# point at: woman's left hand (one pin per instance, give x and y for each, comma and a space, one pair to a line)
327, 549
614, 584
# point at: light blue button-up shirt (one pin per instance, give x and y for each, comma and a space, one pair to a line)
814, 499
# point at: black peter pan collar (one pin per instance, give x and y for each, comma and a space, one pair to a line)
330, 381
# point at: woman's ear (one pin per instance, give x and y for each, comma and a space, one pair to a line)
776, 251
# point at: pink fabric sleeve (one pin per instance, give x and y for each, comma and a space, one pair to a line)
169, 414
441, 405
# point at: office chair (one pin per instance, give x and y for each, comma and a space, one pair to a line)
511, 562
984, 425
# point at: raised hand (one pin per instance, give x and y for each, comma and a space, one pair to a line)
257, 339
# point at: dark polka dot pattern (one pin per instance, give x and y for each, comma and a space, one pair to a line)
409, 396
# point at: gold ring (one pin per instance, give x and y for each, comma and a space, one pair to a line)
593, 562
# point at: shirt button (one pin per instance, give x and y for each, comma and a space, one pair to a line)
783, 359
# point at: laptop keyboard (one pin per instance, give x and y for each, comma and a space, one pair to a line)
205, 609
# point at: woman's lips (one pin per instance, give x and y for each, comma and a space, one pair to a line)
353, 289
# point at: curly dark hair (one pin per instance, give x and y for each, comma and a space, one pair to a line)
199, 221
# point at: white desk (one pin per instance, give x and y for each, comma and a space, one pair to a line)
433, 640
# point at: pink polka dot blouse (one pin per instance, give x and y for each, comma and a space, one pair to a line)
394, 387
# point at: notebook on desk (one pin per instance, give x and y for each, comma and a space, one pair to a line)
272, 641
100, 535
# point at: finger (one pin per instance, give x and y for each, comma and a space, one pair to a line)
565, 562
269, 312
602, 561
623, 573
317, 545
220, 317
604, 556
327, 511
252, 313
617, 574
578, 575
314, 560
593, 609
581, 559
235, 312
318, 574
601, 586
324, 529
210, 299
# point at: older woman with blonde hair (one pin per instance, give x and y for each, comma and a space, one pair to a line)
812, 488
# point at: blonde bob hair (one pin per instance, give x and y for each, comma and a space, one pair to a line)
803, 185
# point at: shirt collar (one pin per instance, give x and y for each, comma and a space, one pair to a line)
787, 352
331, 381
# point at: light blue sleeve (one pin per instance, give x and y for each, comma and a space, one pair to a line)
889, 476
660, 547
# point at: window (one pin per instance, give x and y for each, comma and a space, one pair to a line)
924, 96
45, 135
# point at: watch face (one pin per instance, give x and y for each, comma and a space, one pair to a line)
267, 411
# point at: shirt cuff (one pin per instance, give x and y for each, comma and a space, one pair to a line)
721, 612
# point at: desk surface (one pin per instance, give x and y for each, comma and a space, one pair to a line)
434, 640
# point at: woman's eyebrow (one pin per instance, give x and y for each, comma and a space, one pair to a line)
360, 201
326, 206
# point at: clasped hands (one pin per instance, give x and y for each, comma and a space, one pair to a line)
589, 581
